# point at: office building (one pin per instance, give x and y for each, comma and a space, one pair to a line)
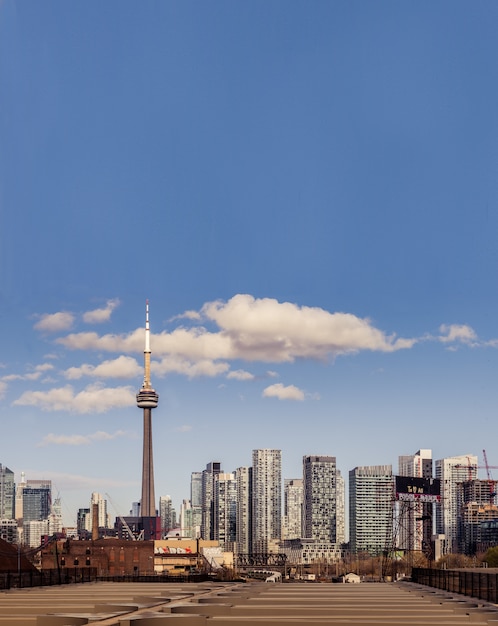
243, 532
292, 527
37, 500
371, 501
266, 500
7, 493
320, 502
452, 471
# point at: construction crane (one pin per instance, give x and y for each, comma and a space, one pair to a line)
122, 519
492, 483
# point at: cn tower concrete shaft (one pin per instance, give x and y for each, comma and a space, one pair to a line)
148, 501
147, 400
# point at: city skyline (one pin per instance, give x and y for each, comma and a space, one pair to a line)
242, 510
306, 195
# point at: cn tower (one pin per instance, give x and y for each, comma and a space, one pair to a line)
147, 400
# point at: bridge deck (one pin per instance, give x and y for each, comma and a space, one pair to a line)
204, 604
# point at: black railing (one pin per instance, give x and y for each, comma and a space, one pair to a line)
481, 584
69, 576
47, 578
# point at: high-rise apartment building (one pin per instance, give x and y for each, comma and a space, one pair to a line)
370, 508
8, 530
266, 499
84, 523
18, 502
320, 502
98, 500
208, 478
167, 514
415, 527
243, 532
340, 508
225, 510
195, 514
34, 530
292, 527
452, 471
55, 518
7, 493
476, 504
190, 520
196, 489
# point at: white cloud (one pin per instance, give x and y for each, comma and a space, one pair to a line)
3, 390
55, 322
44, 367
33, 375
97, 316
272, 374
79, 440
67, 482
10, 377
458, 332
192, 369
94, 398
283, 393
254, 329
183, 429
268, 330
240, 375
122, 367
188, 315
133, 342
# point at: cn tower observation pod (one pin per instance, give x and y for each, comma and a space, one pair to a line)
147, 399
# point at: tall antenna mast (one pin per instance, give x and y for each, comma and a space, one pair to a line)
147, 384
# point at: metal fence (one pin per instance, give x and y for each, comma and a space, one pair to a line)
477, 584
46, 578
72, 575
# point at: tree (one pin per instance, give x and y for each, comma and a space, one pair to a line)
491, 557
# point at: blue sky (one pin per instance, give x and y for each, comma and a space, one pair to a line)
306, 192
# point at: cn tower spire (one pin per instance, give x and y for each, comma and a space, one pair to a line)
147, 383
147, 399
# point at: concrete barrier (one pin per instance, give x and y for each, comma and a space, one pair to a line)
61, 620
115, 608
165, 620
202, 609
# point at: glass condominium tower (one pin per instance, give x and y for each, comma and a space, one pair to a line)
320, 498
371, 498
266, 499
